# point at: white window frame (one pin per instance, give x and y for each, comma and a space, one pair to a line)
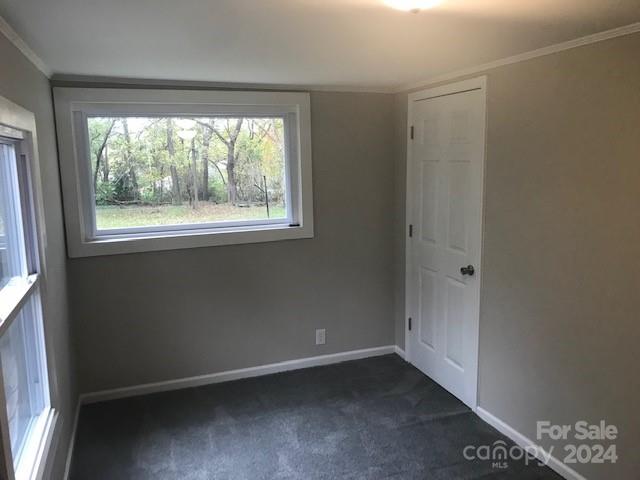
19, 124
74, 105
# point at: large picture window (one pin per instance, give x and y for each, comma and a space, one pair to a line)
149, 170
160, 173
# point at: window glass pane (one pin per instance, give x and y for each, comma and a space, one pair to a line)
23, 373
186, 170
12, 252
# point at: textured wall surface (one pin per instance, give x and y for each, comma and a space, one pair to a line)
157, 316
559, 322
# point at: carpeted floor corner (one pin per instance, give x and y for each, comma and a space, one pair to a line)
378, 418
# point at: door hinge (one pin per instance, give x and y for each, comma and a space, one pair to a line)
411, 132
409, 323
410, 231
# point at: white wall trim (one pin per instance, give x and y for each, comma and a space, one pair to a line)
88, 81
73, 106
540, 52
48, 447
400, 352
21, 45
229, 375
523, 441
72, 441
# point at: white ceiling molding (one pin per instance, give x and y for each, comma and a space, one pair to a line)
21, 45
66, 80
62, 80
522, 57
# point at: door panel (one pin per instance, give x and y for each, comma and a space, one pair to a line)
458, 206
444, 205
429, 204
428, 281
454, 323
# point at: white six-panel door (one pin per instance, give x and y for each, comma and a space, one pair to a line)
444, 216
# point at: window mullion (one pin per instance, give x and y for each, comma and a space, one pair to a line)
12, 298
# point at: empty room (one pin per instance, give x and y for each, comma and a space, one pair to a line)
319, 239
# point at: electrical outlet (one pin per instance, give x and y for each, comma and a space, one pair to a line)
321, 336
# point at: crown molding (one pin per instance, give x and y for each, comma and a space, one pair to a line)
89, 81
21, 45
522, 57
8, 31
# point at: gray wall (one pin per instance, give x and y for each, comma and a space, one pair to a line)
23, 84
157, 316
559, 326
559, 321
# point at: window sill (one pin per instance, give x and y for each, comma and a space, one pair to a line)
137, 243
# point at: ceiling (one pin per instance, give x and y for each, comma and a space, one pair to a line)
331, 43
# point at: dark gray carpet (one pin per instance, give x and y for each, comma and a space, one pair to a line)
378, 418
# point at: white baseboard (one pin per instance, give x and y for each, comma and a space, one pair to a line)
72, 441
400, 352
524, 442
199, 380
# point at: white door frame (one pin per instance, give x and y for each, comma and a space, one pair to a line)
478, 83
